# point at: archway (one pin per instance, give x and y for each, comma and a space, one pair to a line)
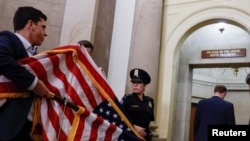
208, 37
168, 99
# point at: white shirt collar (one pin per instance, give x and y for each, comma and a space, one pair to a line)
25, 42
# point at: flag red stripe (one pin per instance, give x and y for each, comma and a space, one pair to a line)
8, 87
80, 128
54, 118
84, 85
109, 132
94, 131
39, 70
60, 75
70, 91
56, 61
62, 80
97, 76
45, 138
80, 133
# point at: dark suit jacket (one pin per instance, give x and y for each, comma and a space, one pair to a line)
212, 111
14, 112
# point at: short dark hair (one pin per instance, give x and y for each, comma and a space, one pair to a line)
24, 14
220, 88
86, 44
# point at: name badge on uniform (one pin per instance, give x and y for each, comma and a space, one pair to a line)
135, 106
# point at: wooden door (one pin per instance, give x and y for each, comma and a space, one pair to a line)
191, 133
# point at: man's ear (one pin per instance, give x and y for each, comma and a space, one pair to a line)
30, 24
225, 93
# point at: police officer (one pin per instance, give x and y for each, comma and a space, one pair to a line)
139, 107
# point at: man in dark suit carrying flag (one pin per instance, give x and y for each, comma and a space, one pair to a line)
16, 108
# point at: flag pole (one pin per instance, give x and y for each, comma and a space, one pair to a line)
64, 101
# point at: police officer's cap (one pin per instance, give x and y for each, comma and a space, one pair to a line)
139, 76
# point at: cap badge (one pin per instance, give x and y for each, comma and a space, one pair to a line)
136, 73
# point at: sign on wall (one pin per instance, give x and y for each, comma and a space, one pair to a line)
224, 53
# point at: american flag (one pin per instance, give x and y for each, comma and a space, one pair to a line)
69, 72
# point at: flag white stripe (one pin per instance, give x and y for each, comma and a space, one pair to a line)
87, 127
50, 130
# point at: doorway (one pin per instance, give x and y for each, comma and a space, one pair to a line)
234, 78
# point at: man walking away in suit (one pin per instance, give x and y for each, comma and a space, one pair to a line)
213, 111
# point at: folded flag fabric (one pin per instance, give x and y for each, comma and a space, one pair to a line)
69, 72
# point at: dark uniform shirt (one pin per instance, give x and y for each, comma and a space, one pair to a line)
141, 112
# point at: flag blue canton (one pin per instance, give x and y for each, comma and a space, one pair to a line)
106, 111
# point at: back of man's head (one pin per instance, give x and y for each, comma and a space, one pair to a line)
220, 89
